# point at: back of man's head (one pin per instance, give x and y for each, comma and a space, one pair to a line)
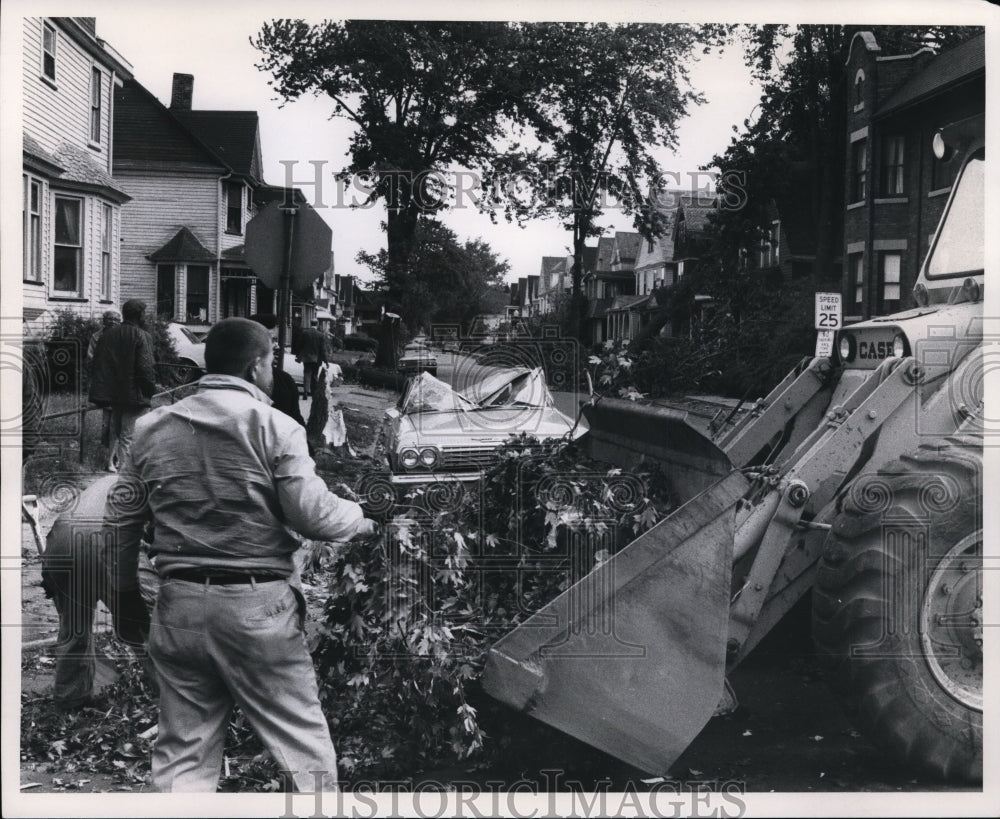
268, 320
111, 318
133, 309
232, 345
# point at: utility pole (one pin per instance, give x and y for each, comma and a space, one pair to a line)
285, 284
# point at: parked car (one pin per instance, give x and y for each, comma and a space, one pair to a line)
190, 353
417, 357
436, 433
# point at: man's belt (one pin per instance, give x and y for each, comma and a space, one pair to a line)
212, 577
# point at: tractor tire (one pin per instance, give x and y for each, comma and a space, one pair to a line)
897, 608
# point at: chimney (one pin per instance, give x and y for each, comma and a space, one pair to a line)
180, 94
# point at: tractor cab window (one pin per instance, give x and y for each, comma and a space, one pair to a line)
958, 250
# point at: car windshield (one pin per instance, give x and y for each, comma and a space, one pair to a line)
525, 390
506, 388
425, 393
958, 250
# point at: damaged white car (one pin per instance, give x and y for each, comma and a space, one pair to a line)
436, 433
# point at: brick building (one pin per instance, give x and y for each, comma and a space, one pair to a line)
895, 188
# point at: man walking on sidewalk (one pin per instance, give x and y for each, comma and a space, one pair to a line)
124, 377
224, 476
312, 353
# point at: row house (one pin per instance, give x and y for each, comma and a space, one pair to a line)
360, 309
555, 283
523, 293
72, 205
610, 285
195, 181
325, 294
660, 262
896, 187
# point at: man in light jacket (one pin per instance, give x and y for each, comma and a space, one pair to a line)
224, 476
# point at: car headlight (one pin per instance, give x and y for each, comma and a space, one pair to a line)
409, 458
847, 347
899, 346
428, 456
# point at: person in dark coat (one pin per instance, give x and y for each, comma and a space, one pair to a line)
124, 377
111, 318
312, 353
285, 393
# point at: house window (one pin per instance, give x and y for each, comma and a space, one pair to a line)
234, 207
769, 255
95, 105
859, 89
166, 283
106, 226
892, 166
67, 266
857, 268
859, 180
32, 215
197, 293
889, 282
48, 51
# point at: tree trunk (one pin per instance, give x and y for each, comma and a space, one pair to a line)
577, 302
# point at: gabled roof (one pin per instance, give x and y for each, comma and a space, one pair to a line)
80, 171
627, 245
37, 156
605, 253
147, 133
553, 264
235, 254
695, 213
589, 259
958, 64
183, 247
233, 135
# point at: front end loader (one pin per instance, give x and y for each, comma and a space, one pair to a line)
858, 477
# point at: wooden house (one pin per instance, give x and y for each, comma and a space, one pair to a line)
71, 204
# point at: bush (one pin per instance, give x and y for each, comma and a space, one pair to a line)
164, 353
66, 350
358, 341
409, 620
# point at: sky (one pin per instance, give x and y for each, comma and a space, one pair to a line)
211, 43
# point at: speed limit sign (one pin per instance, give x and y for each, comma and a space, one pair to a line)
829, 310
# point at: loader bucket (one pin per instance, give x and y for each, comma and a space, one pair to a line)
632, 658
623, 432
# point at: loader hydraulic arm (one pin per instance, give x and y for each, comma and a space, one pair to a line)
772, 415
809, 485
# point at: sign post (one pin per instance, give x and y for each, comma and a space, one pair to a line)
285, 288
829, 316
288, 247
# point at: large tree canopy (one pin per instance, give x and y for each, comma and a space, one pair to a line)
424, 97
609, 95
451, 283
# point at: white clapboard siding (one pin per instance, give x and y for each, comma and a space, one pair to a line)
35, 295
161, 205
230, 240
60, 112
